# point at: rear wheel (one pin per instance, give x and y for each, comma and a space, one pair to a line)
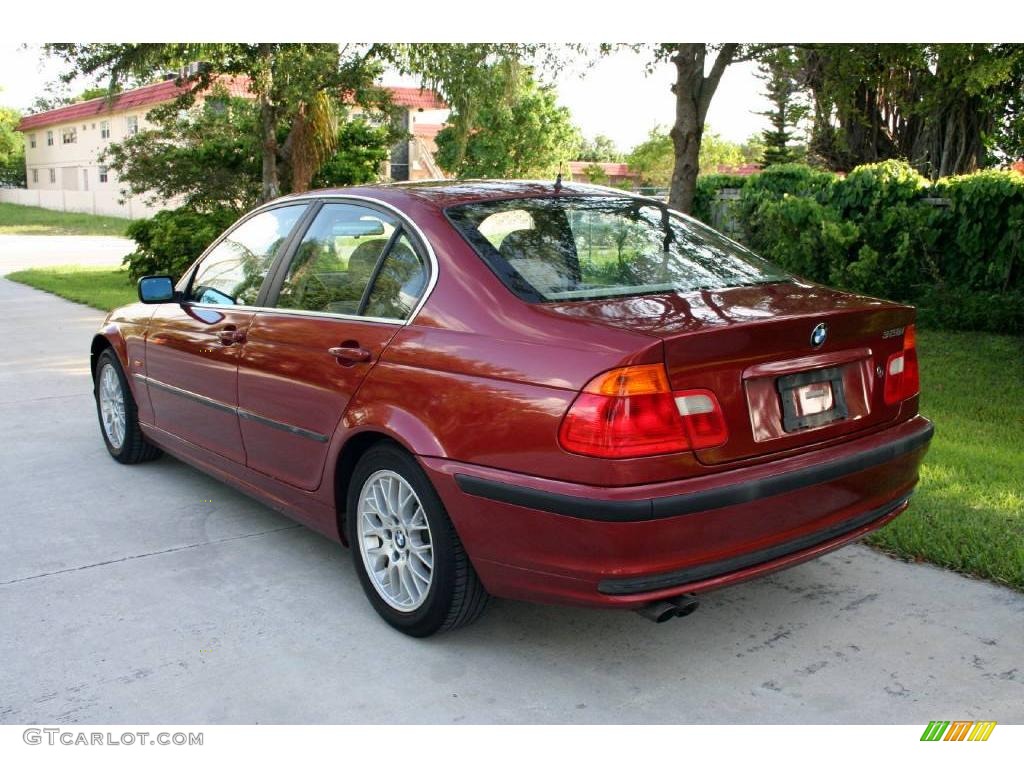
407, 554
119, 420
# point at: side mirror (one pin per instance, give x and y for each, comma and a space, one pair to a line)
157, 289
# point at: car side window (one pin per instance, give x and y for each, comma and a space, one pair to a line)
233, 272
399, 283
338, 257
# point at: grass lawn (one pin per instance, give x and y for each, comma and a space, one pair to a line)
968, 512
28, 220
99, 287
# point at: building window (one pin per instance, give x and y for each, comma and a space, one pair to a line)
69, 135
105, 129
53, 175
85, 179
49, 138
32, 140
103, 174
35, 175
132, 124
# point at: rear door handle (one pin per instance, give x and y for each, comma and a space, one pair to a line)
231, 336
350, 354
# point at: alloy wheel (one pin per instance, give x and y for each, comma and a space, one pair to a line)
395, 540
112, 411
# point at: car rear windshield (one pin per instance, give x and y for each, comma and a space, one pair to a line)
572, 248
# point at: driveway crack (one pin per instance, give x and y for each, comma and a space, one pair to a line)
150, 554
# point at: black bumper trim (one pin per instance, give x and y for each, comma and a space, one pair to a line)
634, 510
706, 571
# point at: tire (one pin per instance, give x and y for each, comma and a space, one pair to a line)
454, 596
132, 447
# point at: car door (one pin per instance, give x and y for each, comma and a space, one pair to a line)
193, 347
350, 283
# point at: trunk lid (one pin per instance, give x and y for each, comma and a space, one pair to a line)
752, 346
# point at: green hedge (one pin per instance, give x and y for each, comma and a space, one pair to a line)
170, 241
876, 232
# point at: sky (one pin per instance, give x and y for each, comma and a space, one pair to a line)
614, 97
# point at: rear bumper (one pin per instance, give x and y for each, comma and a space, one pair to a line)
549, 541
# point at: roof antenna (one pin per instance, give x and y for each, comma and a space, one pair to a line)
558, 179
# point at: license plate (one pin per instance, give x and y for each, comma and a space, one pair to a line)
812, 398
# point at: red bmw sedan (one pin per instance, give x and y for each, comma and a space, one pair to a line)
554, 393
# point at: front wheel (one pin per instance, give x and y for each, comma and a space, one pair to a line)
407, 554
119, 418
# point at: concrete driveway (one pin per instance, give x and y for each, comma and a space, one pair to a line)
26, 251
154, 594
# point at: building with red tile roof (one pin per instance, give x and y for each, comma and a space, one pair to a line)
63, 145
148, 96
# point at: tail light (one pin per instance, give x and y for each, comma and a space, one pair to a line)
632, 411
902, 377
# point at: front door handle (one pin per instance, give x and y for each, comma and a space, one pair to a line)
231, 335
350, 355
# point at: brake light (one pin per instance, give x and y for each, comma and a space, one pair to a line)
902, 376
630, 412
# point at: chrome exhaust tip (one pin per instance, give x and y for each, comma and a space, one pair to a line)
662, 610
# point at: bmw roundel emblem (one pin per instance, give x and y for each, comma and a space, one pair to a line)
819, 334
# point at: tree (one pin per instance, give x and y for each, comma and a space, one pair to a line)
753, 149
779, 70
716, 151
299, 90
601, 150
937, 105
528, 134
361, 149
693, 89
95, 93
464, 75
207, 156
1006, 143
653, 158
12, 149
595, 174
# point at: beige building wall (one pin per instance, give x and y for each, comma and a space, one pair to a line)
64, 172
64, 158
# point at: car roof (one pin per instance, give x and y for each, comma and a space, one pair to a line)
444, 192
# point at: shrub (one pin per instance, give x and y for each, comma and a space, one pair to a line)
802, 236
875, 232
870, 188
170, 241
777, 181
986, 234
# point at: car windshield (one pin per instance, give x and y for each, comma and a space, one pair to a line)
572, 248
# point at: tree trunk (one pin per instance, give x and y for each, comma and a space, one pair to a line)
686, 137
693, 90
264, 83
268, 123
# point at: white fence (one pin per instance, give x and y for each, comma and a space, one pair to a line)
102, 203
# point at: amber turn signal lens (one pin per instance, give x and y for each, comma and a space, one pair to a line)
629, 381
